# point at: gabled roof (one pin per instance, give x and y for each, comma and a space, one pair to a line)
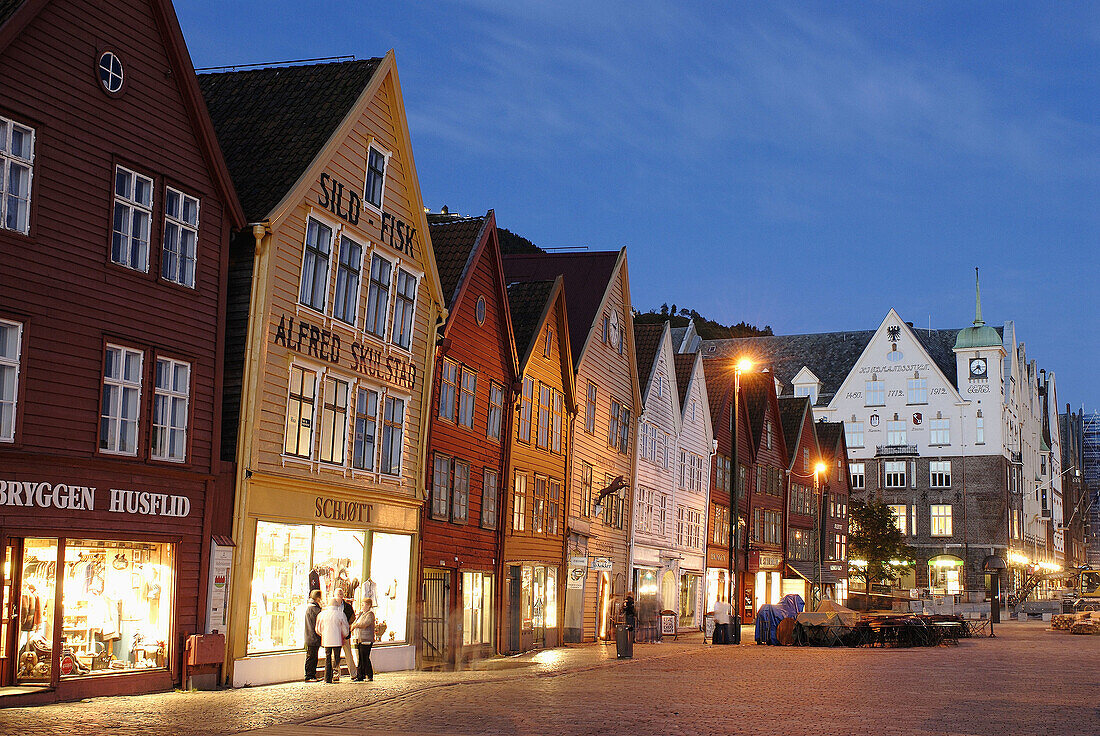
792, 415
273, 122
528, 302
757, 390
647, 341
828, 437
455, 241
586, 277
21, 13
685, 364
830, 355
719, 387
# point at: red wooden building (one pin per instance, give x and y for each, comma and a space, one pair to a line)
804, 486
836, 485
116, 210
470, 422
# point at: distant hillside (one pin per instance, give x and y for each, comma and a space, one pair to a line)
708, 329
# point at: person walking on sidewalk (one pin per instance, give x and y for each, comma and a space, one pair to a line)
362, 635
312, 638
349, 613
333, 628
722, 611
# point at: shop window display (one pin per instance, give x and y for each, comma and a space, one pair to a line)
116, 608
391, 558
689, 593
477, 608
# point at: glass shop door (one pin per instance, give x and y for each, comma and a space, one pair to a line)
9, 613
34, 602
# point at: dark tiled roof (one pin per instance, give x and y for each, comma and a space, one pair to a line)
828, 437
272, 123
685, 362
454, 241
755, 390
678, 337
7, 9
830, 355
647, 339
586, 276
527, 302
792, 412
719, 387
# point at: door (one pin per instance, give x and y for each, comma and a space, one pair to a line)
433, 622
9, 610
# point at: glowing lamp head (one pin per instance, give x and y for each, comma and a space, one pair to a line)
821, 468
744, 365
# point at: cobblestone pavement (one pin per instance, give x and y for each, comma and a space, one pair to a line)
1027, 680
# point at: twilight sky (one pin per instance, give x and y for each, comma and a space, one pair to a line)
804, 165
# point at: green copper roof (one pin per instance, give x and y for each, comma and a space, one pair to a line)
980, 335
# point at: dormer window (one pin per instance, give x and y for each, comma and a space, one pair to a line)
376, 176
807, 384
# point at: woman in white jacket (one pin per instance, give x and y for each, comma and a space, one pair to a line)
333, 628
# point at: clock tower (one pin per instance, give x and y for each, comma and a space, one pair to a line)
979, 354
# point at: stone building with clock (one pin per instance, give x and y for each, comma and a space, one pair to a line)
946, 427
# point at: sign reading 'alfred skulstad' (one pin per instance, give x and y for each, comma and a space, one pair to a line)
295, 333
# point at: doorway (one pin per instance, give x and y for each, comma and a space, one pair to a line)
434, 633
29, 590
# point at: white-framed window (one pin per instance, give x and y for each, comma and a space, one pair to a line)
16, 171
365, 429
118, 426
939, 472
895, 473
856, 474
460, 492
519, 502
875, 393
467, 394
941, 520
768, 434
171, 396
590, 409
526, 406
181, 235
695, 529
448, 391
553, 506
133, 211
316, 253
557, 422
587, 501
301, 399
349, 269
490, 493
393, 435
618, 428
496, 410
441, 486
939, 432
542, 436
979, 429
404, 309
11, 352
378, 296
901, 516
374, 189
681, 525
917, 391
548, 343
853, 434
334, 421
111, 73
895, 432
643, 510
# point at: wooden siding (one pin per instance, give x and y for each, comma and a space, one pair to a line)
58, 281
485, 348
615, 377
696, 437
664, 413
720, 497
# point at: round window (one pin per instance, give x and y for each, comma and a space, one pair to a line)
110, 72
479, 310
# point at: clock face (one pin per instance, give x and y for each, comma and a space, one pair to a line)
977, 368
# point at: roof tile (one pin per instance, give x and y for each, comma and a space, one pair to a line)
454, 240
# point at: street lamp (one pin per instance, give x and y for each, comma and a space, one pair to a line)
819, 512
744, 365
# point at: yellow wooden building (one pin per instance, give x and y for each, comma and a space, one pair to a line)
334, 300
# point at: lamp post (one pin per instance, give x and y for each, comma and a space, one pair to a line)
735, 501
819, 513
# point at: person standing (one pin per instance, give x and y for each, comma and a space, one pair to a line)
362, 635
312, 638
349, 613
333, 628
722, 611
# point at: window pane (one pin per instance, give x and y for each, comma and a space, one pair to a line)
280, 587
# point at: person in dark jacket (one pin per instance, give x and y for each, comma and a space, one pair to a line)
630, 613
312, 638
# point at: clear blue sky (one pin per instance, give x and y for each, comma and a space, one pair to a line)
804, 165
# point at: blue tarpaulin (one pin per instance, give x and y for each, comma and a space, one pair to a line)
769, 616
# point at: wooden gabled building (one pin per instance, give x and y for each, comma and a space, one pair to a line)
804, 486
334, 303
115, 216
470, 426
533, 516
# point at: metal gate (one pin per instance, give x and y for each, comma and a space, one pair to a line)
433, 621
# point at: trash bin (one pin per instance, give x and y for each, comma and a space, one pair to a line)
624, 641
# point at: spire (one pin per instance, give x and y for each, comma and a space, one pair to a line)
978, 321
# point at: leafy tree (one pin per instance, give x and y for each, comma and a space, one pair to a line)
874, 537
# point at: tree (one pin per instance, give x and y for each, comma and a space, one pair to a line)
875, 539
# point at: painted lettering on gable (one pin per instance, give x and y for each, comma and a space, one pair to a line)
333, 199
907, 368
